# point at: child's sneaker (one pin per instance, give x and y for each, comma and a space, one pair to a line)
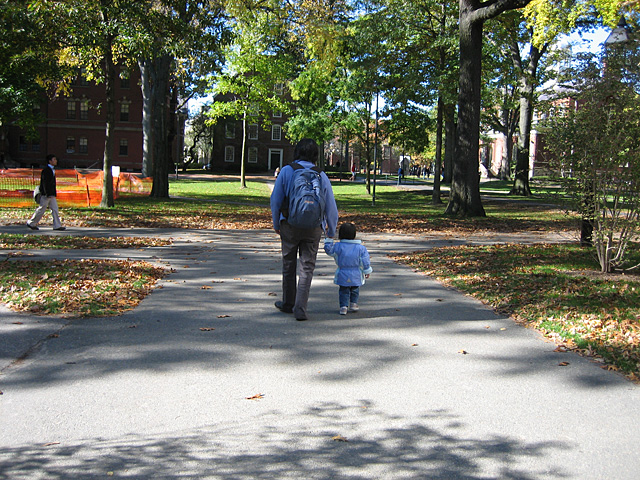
354, 307
343, 310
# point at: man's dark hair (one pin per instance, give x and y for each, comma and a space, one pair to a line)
306, 149
49, 157
347, 231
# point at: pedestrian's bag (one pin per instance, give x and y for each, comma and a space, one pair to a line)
37, 194
305, 199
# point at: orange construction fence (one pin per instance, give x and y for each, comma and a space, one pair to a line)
74, 189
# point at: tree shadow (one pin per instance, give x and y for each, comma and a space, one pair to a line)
329, 441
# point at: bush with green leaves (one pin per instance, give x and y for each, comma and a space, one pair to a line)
592, 132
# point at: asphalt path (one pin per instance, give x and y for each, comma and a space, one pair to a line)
215, 383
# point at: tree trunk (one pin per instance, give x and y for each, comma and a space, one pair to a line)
435, 199
465, 186
160, 68
465, 198
521, 178
449, 142
243, 160
147, 130
110, 71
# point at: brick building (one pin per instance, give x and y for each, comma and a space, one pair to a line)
74, 128
267, 147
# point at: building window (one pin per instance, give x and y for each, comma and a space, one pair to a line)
22, 144
253, 131
277, 114
253, 155
83, 145
278, 88
84, 110
124, 80
229, 154
124, 147
83, 78
35, 146
230, 130
71, 110
71, 145
276, 133
124, 112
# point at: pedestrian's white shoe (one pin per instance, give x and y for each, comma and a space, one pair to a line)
343, 310
354, 307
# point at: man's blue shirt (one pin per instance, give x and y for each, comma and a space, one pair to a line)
281, 188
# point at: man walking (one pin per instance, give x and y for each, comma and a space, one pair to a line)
301, 241
47, 196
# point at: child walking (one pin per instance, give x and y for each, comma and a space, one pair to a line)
354, 266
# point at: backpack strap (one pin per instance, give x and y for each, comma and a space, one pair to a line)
296, 166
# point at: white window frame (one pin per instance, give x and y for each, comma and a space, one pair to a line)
277, 114
280, 153
276, 132
230, 130
253, 131
229, 154
278, 88
252, 155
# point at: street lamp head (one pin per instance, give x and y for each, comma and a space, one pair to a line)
620, 34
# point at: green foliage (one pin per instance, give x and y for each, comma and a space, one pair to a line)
596, 150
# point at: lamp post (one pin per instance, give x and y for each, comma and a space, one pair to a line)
375, 152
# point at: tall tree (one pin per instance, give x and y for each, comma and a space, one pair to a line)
465, 187
181, 47
29, 69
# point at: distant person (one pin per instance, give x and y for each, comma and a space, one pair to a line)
277, 172
47, 196
300, 221
354, 172
400, 175
354, 266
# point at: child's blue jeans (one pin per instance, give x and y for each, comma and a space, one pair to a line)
348, 294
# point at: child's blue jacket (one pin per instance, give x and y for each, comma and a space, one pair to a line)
352, 259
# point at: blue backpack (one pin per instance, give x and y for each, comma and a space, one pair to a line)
305, 199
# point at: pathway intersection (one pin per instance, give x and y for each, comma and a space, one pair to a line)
424, 382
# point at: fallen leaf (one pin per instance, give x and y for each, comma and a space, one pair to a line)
224, 316
258, 396
273, 294
563, 364
207, 329
463, 352
50, 444
339, 438
414, 344
206, 287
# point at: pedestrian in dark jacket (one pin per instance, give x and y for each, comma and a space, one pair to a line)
47, 196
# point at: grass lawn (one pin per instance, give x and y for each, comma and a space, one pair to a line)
553, 288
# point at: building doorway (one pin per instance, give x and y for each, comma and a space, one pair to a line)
275, 158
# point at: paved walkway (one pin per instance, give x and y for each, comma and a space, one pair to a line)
150, 395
